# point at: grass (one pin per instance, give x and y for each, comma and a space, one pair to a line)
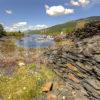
65, 42
25, 83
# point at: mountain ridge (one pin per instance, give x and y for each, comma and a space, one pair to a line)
66, 27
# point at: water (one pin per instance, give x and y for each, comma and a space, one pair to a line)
35, 41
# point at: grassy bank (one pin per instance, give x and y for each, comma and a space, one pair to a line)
25, 83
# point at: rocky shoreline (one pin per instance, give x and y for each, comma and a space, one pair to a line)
78, 66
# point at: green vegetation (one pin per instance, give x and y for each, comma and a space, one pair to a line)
57, 29
25, 83
2, 32
66, 28
14, 33
66, 42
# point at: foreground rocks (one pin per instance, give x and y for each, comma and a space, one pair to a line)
78, 66
47, 87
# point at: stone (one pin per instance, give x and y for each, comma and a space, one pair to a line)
51, 96
95, 83
97, 58
47, 87
79, 66
21, 63
72, 67
73, 78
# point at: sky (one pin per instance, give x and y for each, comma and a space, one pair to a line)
37, 14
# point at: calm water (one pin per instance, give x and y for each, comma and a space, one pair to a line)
35, 41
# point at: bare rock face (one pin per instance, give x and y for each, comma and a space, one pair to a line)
79, 65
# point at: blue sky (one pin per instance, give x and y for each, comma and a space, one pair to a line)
43, 13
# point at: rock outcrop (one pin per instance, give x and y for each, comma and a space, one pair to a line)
90, 29
78, 65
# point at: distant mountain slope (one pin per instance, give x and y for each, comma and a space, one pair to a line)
67, 27
93, 18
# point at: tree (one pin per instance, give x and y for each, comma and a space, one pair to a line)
2, 32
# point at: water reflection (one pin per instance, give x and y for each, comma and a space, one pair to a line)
36, 41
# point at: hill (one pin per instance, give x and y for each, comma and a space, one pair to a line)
67, 27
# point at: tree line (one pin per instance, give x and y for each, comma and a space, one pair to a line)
4, 33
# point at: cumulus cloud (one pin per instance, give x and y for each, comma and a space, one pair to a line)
23, 26
84, 2
74, 3
19, 24
80, 2
9, 12
38, 27
58, 10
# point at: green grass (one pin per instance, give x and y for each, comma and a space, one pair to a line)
57, 29
65, 42
24, 83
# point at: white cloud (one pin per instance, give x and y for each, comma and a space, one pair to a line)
74, 3
19, 24
82, 3
58, 10
38, 27
2, 23
23, 26
9, 12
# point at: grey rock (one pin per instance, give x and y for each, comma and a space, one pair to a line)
85, 56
